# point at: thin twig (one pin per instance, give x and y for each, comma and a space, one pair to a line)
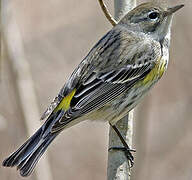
107, 13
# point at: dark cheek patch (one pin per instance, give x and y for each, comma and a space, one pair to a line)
153, 27
138, 19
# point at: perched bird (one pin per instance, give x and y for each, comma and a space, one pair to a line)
109, 81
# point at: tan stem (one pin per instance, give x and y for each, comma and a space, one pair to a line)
118, 166
107, 13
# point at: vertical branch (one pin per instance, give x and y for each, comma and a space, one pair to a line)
13, 43
118, 166
121, 7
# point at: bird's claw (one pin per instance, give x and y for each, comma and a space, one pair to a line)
127, 153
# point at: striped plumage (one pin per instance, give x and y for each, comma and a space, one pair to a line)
108, 83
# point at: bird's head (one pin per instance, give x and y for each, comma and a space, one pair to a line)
150, 18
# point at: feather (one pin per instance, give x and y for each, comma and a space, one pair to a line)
100, 79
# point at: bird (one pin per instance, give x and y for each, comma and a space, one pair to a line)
109, 82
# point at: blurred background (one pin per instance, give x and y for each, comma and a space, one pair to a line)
53, 36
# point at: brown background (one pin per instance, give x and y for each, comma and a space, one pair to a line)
57, 34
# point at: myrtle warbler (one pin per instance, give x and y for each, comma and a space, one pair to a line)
110, 80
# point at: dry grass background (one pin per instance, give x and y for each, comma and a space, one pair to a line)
57, 35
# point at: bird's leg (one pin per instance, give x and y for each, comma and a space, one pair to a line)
126, 149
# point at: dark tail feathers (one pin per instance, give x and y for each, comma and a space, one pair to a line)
27, 156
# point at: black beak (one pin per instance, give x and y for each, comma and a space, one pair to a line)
173, 9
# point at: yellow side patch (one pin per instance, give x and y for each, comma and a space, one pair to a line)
65, 103
150, 76
162, 68
156, 72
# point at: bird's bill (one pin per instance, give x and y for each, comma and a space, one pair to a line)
173, 9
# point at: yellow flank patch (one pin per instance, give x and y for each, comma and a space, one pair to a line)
65, 103
155, 73
162, 68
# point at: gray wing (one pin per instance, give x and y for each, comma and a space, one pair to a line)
104, 76
111, 67
103, 89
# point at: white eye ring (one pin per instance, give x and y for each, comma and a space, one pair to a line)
153, 15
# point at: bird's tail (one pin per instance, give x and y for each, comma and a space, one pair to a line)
27, 156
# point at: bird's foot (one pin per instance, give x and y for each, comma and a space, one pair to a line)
127, 152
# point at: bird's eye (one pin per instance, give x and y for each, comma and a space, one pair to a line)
153, 15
